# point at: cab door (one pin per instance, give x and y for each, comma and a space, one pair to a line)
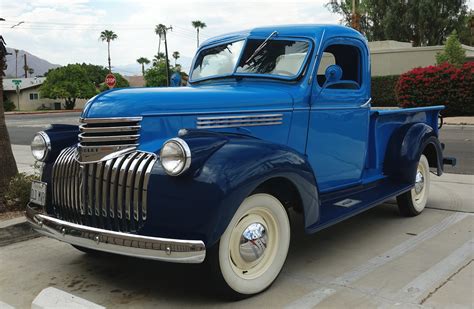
339, 115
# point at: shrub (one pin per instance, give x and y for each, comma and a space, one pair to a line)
17, 193
444, 84
383, 90
453, 51
8, 106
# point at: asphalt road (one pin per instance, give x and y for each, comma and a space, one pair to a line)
459, 140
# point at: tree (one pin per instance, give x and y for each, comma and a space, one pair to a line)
156, 75
69, 83
120, 82
423, 22
160, 30
8, 167
198, 25
96, 73
108, 36
158, 58
453, 52
143, 61
176, 55
31, 71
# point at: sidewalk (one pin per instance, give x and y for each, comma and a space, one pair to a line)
459, 120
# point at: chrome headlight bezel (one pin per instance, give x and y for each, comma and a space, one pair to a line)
178, 150
43, 141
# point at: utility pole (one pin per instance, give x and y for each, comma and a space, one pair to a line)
16, 63
25, 67
166, 53
355, 18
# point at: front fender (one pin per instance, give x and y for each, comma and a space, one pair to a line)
200, 203
405, 148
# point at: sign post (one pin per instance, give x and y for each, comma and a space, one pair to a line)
110, 80
17, 83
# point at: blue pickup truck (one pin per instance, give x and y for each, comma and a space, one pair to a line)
273, 119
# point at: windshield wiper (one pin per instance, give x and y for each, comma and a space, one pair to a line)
260, 47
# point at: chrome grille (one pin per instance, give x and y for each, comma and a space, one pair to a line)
111, 194
101, 137
238, 121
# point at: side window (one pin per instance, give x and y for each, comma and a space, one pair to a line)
345, 59
34, 96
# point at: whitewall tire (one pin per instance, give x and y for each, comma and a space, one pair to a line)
413, 202
254, 246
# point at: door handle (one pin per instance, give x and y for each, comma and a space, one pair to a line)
366, 103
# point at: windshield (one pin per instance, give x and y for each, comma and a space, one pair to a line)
278, 58
218, 60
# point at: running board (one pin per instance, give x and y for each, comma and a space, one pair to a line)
340, 205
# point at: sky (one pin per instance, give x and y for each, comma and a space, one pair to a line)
67, 31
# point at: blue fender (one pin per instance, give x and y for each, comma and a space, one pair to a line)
225, 169
405, 148
61, 136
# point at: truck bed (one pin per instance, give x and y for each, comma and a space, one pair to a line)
384, 121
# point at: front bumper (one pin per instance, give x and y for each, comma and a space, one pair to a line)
155, 248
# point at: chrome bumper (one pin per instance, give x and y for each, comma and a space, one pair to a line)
161, 249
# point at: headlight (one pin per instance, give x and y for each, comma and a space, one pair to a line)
40, 146
175, 156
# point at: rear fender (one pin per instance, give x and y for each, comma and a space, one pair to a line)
405, 148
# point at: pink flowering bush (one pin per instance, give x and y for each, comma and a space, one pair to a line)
444, 84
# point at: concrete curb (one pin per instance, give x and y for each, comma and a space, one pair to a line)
16, 230
10, 222
53, 298
43, 112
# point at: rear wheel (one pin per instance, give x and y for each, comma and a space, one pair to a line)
413, 202
253, 248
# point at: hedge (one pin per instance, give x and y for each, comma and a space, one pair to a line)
444, 84
383, 90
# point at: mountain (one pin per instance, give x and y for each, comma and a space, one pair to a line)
40, 66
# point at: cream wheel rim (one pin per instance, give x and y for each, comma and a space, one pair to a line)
419, 192
253, 243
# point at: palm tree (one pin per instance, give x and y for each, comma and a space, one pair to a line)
160, 30
107, 36
31, 71
198, 25
176, 55
143, 61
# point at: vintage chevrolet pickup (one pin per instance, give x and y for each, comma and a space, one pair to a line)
273, 118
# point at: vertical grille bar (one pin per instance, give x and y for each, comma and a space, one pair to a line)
145, 188
110, 194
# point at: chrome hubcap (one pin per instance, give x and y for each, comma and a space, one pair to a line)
253, 242
419, 182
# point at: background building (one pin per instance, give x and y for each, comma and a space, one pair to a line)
28, 97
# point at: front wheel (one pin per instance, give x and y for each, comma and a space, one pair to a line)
253, 248
413, 202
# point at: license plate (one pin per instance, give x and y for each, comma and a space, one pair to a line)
38, 193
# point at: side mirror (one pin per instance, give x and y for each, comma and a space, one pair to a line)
333, 74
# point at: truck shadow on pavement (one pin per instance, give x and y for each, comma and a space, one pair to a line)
109, 279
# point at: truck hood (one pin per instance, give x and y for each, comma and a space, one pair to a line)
129, 102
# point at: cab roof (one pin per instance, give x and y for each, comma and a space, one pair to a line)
299, 30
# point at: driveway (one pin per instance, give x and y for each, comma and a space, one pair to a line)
374, 260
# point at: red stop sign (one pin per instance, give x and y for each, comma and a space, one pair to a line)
110, 80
